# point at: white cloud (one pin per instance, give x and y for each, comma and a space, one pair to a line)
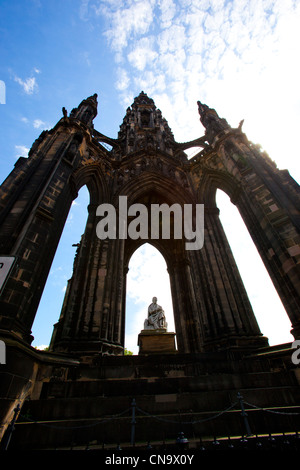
142, 54
168, 10
29, 85
123, 80
38, 123
41, 347
172, 40
128, 22
21, 151
152, 82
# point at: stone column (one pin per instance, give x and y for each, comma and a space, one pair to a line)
31, 225
187, 321
91, 317
224, 309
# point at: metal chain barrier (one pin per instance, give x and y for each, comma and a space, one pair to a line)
135, 408
187, 422
271, 411
101, 420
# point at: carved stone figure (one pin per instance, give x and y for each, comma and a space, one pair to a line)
156, 317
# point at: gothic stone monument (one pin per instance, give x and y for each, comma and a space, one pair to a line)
220, 348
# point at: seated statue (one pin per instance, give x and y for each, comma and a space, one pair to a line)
156, 317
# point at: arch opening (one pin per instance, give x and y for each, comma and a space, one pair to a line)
147, 277
266, 303
61, 270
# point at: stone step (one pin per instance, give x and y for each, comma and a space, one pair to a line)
109, 420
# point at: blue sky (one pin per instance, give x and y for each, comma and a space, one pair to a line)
238, 56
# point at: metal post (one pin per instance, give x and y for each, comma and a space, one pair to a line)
133, 422
244, 414
11, 427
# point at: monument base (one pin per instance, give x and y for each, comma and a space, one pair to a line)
156, 342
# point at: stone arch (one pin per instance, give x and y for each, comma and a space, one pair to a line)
149, 182
62, 265
244, 192
211, 180
182, 289
91, 175
268, 309
154, 281
147, 190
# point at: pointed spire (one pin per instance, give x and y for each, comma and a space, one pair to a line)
144, 127
86, 111
211, 121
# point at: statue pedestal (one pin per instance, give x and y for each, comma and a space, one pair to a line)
156, 342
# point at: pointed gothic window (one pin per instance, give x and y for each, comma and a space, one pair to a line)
147, 278
61, 270
268, 309
146, 118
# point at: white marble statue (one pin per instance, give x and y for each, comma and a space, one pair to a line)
156, 317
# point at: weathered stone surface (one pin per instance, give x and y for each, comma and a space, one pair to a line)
156, 342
